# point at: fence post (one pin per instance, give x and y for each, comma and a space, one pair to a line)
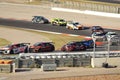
118, 10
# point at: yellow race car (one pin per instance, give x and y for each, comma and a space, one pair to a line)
59, 22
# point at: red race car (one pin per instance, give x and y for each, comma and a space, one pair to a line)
42, 47
15, 48
73, 46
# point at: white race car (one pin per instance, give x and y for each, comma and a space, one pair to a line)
74, 25
99, 35
111, 34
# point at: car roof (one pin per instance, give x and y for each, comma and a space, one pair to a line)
96, 27
37, 16
42, 42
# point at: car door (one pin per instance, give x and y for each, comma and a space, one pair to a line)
22, 47
15, 48
46, 47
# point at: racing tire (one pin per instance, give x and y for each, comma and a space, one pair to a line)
42, 22
53, 23
39, 51
69, 27
30, 50
26, 50
11, 52
52, 49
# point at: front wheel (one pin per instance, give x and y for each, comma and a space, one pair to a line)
11, 52
53, 23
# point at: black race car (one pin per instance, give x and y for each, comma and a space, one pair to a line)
39, 19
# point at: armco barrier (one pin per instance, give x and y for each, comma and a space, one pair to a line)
63, 59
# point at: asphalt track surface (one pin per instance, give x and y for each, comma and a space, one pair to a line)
50, 27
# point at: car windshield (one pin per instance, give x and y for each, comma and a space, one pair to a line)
61, 20
70, 43
112, 34
36, 44
97, 27
99, 34
76, 23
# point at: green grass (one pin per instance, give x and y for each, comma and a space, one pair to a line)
4, 42
59, 40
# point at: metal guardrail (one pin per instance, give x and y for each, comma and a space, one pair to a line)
98, 54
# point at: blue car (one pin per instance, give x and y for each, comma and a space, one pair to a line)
88, 43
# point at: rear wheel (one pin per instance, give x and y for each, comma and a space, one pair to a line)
30, 50
39, 50
53, 23
42, 22
26, 50
52, 49
68, 27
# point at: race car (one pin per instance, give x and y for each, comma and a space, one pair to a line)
74, 25
73, 46
39, 19
42, 47
111, 34
15, 48
59, 22
97, 29
98, 35
88, 43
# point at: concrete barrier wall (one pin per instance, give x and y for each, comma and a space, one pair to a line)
98, 62
6, 68
60, 62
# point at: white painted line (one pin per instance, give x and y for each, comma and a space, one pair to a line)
55, 33
105, 14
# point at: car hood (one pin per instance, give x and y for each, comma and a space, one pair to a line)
4, 48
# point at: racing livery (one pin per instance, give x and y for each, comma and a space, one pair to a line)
15, 48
